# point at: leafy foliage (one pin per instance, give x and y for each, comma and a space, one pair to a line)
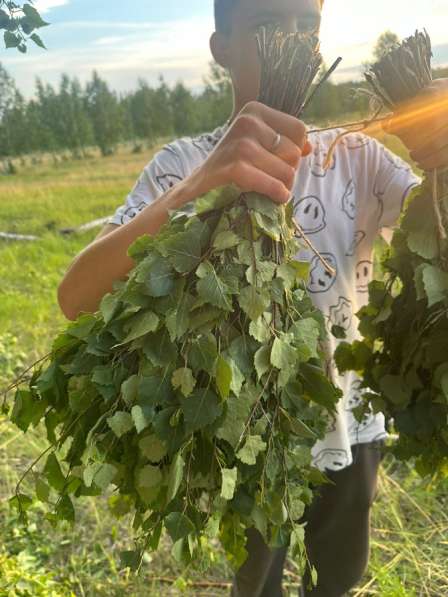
176, 414
403, 356
198, 389
19, 23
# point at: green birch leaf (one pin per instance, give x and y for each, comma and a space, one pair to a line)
253, 446
129, 389
268, 226
264, 272
237, 378
200, 409
33, 16
203, 353
436, 284
246, 251
154, 390
223, 377
11, 40
152, 448
38, 41
99, 474
419, 224
149, 476
109, 306
288, 273
225, 240
260, 330
317, 386
183, 379
262, 361
177, 321
131, 559
214, 291
53, 473
140, 325
65, 509
42, 490
82, 327
183, 250
178, 525
228, 486
175, 477
27, 410
283, 355
306, 332
254, 302
159, 280
141, 417
237, 412
120, 423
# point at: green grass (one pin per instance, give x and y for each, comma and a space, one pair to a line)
410, 520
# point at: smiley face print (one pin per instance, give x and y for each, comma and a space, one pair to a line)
364, 271
320, 279
342, 314
355, 399
348, 201
310, 214
132, 211
331, 459
359, 236
167, 181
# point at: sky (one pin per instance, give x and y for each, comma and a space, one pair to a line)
147, 38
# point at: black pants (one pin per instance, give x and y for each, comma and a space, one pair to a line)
336, 535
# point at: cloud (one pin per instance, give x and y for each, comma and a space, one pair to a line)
44, 6
176, 49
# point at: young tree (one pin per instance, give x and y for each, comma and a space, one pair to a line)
185, 115
161, 111
215, 102
104, 113
385, 43
7, 90
140, 104
48, 109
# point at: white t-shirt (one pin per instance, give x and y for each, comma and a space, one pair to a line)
341, 210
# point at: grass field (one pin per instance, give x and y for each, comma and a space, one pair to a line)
410, 518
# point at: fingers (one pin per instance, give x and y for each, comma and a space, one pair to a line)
274, 166
252, 157
251, 179
286, 125
261, 152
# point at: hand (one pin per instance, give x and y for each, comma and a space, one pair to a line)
422, 125
247, 157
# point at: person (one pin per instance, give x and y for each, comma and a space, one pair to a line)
342, 209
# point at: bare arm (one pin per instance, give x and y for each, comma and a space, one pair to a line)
100, 264
243, 157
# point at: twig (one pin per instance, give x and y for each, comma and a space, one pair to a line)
436, 205
11, 236
360, 124
202, 584
309, 244
325, 78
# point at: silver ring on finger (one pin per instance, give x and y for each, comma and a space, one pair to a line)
276, 143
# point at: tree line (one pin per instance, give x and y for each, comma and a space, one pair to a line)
73, 117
